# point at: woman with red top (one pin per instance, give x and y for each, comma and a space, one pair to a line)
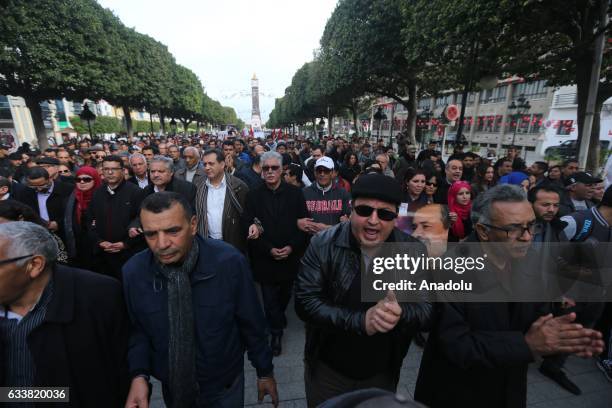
460, 208
78, 244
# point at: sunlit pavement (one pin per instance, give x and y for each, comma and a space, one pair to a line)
542, 393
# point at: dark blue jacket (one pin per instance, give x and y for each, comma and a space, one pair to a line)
228, 316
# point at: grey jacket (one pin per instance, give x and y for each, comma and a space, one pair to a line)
233, 206
199, 174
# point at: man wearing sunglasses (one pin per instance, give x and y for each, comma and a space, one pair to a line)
277, 246
351, 344
59, 326
326, 202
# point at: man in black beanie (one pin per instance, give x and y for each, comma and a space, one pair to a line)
352, 344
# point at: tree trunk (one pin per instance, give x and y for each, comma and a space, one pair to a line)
162, 121
329, 122
128, 121
594, 148
355, 118
464, 96
33, 105
186, 124
391, 124
412, 113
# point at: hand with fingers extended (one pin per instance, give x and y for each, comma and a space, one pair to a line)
560, 335
267, 386
384, 316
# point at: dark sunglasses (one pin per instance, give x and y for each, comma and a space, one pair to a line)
268, 168
84, 179
324, 170
19, 258
64, 171
430, 184
383, 214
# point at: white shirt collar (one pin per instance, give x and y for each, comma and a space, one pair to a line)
209, 184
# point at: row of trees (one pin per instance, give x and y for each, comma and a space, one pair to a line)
79, 50
405, 50
111, 124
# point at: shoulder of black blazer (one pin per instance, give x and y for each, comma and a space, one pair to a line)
62, 189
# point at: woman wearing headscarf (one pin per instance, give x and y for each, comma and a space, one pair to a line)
79, 246
518, 178
460, 208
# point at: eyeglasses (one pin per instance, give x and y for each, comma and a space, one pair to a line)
84, 179
270, 168
383, 214
19, 258
323, 170
64, 171
430, 184
111, 169
517, 231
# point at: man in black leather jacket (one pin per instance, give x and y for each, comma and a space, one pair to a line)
351, 344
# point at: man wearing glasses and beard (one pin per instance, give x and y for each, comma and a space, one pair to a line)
272, 212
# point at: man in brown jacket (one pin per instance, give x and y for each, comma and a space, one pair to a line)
220, 201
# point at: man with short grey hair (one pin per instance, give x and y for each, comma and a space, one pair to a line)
477, 354
194, 169
51, 318
138, 163
163, 179
276, 248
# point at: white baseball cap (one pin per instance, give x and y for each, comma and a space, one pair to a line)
326, 162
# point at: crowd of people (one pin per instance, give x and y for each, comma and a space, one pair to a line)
169, 257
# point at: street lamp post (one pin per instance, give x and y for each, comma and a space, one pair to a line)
88, 116
521, 106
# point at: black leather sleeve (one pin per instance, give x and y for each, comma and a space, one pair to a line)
312, 304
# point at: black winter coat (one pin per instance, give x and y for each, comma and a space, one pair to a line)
179, 186
476, 355
278, 212
82, 342
56, 203
111, 214
327, 271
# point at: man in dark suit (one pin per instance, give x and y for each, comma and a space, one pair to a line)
47, 197
59, 326
112, 208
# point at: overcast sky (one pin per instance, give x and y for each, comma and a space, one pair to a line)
225, 41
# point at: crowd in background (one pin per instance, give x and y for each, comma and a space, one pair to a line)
269, 198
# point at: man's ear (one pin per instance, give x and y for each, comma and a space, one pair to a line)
482, 231
36, 266
193, 225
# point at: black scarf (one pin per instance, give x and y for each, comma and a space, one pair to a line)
182, 345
